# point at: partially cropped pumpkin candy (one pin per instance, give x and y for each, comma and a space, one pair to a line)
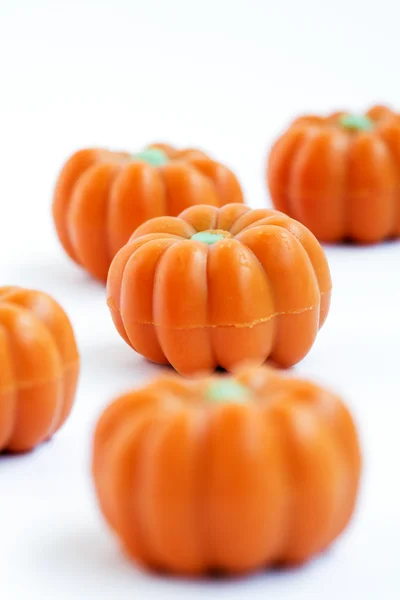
340, 175
220, 286
226, 474
39, 366
101, 197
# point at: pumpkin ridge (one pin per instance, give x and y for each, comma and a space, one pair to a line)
182, 424
75, 204
396, 187
378, 159
9, 389
156, 328
149, 431
271, 290
133, 431
61, 205
286, 426
166, 248
256, 224
273, 295
67, 218
200, 431
334, 527
160, 175
211, 346
110, 301
293, 167
292, 142
273, 411
213, 224
290, 220
107, 238
26, 385
235, 221
167, 194
331, 524
346, 225
23, 311
68, 209
200, 172
268, 213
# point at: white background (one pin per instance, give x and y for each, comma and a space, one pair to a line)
225, 75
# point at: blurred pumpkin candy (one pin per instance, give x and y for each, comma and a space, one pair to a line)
227, 474
219, 287
101, 196
340, 175
39, 368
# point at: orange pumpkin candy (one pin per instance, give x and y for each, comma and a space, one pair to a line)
340, 175
39, 368
220, 286
227, 474
101, 197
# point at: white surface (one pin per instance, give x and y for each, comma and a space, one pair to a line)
227, 76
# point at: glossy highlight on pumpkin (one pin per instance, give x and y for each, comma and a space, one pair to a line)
192, 486
262, 291
39, 367
101, 197
339, 175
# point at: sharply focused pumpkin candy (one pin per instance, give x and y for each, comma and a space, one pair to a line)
101, 196
227, 474
39, 367
220, 286
340, 175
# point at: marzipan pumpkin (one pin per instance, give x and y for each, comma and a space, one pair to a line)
340, 175
226, 474
39, 365
101, 197
220, 286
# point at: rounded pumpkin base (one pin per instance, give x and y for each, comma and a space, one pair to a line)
203, 349
40, 412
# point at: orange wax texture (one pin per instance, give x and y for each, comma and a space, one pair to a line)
182, 292
101, 196
339, 175
39, 366
226, 474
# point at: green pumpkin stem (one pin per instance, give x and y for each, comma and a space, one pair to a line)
207, 237
152, 156
356, 122
227, 390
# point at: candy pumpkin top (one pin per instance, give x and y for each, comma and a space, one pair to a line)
172, 153
352, 123
156, 155
234, 241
